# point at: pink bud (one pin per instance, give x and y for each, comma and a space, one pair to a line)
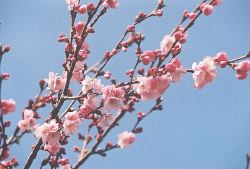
185, 14
130, 72
207, 9
192, 15
83, 9
90, 7
79, 27
140, 115
76, 7
141, 71
5, 76
145, 60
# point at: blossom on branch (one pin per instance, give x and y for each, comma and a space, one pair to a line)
125, 139
204, 72
152, 87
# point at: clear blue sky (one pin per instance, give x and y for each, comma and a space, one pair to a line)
198, 129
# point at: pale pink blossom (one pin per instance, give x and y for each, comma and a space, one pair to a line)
78, 71
71, 123
242, 69
48, 132
112, 97
56, 82
166, 43
92, 84
125, 139
89, 104
105, 121
8, 106
152, 87
28, 122
111, 3
204, 72
84, 51
221, 59
53, 148
71, 4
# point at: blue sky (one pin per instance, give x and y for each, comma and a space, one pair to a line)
198, 129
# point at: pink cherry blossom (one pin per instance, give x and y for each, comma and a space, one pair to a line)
89, 104
78, 71
152, 87
71, 123
111, 3
125, 139
8, 106
28, 122
204, 72
71, 4
221, 59
105, 121
84, 51
92, 84
56, 82
242, 69
53, 148
48, 132
112, 97
166, 43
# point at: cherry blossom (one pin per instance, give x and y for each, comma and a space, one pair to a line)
112, 97
152, 87
221, 59
53, 148
125, 139
204, 72
78, 71
91, 84
242, 69
28, 122
105, 121
166, 43
71, 123
48, 132
56, 82
71, 4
